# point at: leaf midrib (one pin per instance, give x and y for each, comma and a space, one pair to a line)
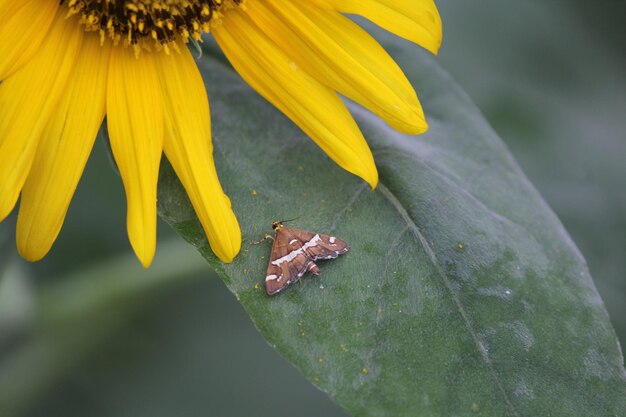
412, 226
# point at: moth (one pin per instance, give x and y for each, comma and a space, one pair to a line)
294, 252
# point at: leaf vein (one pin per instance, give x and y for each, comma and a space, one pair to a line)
453, 181
464, 315
349, 205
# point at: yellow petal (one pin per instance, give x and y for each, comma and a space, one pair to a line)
27, 99
135, 123
63, 152
314, 107
343, 56
9, 6
415, 20
25, 24
188, 147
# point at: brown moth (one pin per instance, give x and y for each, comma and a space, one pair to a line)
294, 252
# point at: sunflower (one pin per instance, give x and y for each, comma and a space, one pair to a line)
65, 65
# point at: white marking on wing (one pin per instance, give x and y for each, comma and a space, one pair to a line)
291, 242
332, 239
271, 277
293, 254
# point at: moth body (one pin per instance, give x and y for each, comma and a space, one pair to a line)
294, 253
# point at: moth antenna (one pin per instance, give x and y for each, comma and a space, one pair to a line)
290, 220
267, 236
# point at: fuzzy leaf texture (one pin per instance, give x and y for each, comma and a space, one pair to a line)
462, 294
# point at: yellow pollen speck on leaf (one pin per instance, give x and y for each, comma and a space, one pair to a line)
365, 371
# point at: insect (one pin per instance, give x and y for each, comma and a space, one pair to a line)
294, 252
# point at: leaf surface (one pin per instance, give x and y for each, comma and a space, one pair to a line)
462, 294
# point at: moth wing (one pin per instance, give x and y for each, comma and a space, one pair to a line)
288, 263
317, 245
293, 254
288, 235
306, 242
327, 247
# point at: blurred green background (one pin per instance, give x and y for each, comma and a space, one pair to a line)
87, 331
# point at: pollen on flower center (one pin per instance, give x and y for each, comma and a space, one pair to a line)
134, 22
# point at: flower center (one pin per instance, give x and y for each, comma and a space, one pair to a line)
139, 22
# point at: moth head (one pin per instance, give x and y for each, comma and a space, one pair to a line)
276, 225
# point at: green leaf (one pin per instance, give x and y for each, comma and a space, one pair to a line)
462, 294
573, 153
6, 244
